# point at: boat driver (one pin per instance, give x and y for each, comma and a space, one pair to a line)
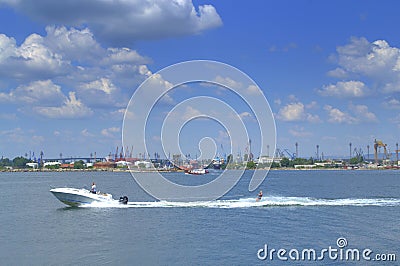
259, 196
93, 189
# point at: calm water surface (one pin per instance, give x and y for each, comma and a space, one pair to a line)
301, 209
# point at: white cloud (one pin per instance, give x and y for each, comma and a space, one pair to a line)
85, 132
313, 118
339, 117
293, 98
292, 112
253, 90
73, 44
392, 87
74, 60
101, 93
110, 132
125, 21
337, 73
123, 56
7, 47
229, 82
312, 105
245, 115
391, 103
363, 114
72, 108
15, 135
41, 92
345, 89
33, 58
104, 85
377, 61
371, 59
159, 86
190, 113
296, 112
358, 113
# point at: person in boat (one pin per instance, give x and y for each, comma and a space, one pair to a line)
259, 196
93, 189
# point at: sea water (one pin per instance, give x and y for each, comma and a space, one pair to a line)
300, 210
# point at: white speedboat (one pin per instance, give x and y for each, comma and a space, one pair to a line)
77, 197
196, 172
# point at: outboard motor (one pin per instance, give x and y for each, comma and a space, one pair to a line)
123, 199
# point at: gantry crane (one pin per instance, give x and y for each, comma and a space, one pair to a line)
379, 143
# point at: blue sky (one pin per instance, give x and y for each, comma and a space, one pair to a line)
329, 69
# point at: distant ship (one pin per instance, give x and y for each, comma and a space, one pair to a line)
217, 163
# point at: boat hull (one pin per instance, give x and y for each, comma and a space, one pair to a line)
77, 197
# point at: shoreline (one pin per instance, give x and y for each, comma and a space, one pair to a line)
120, 170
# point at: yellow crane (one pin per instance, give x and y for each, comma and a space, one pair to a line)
379, 143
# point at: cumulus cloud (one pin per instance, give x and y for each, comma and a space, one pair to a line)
296, 112
356, 114
72, 108
347, 89
376, 61
337, 73
122, 22
363, 114
292, 112
118, 56
101, 93
110, 132
32, 59
245, 115
371, 59
253, 90
73, 44
312, 105
190, 113
69, 60
64, 53
339, 117
86, 133
391, 103
43, 92
229, 82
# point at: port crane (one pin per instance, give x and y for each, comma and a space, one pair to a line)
292, 155
377, 144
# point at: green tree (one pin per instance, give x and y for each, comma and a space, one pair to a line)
20, 162
5, 162
275, 165
56, 166
79, 164
356, 160
251, 165
285, 162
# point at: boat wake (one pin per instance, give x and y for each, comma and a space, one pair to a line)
269, 201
